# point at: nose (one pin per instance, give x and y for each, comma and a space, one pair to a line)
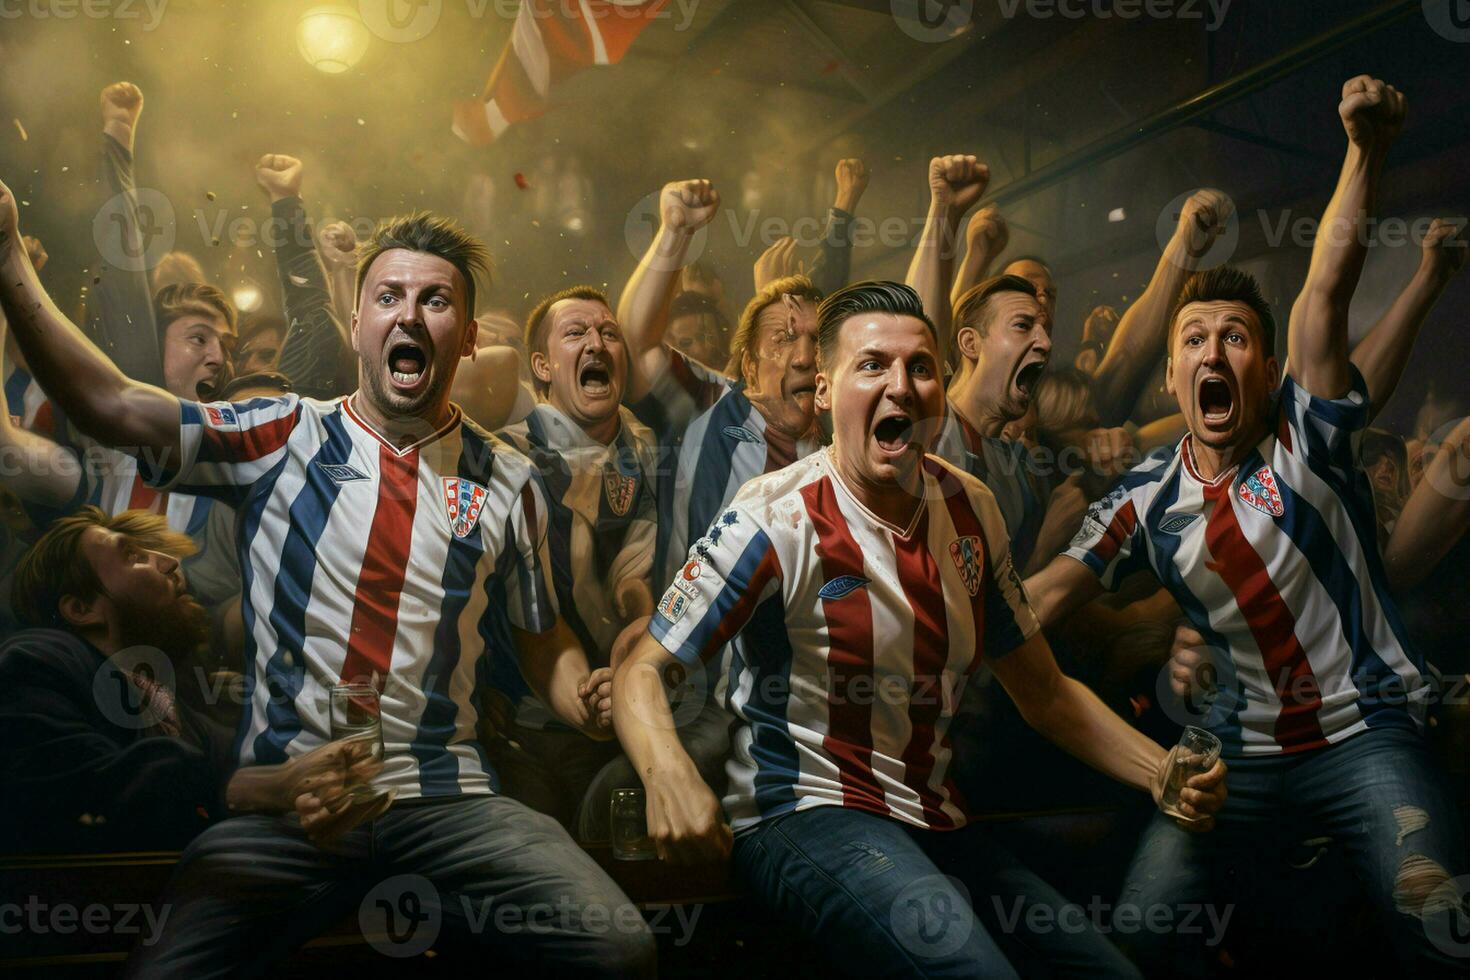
1214, 351
214, 353
900, 388
804, 352
1042, 341
594, 340
165, 563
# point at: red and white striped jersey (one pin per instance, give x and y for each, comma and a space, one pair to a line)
360, 560
857, 637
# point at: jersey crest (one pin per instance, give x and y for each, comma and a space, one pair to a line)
967, 553
620, 488
463, 499
1259, 491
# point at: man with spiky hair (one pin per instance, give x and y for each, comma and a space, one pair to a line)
384, 540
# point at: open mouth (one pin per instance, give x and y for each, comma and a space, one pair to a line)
1215, 399
1027, 377
595, 378
894, 433
806, 389
407, 362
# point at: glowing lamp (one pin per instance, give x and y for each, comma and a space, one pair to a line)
247, 296
332, 39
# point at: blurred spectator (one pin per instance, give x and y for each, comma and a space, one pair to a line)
259, 349
698, 330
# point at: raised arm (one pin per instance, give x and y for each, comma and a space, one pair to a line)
312, 353
1382, 354
684, 207
1435, 517
1141, 337
955, 184
121, 311
833, 266
98, 398
339, 254
1317, 339
35, 468
986, 236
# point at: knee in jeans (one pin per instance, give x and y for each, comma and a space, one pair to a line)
630, 952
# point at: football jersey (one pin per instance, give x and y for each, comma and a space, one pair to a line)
1005, 468
28, 405
112, 480
362, 562
1276, 563
857, 638
678, 395
600, 530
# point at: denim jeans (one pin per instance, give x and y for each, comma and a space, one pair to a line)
251, 889
1380, 799
882, 898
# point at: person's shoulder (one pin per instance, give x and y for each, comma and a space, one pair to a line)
38, 651
767, 497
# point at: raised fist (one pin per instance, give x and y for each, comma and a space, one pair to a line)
957, 181
36, 251
988, 231
1445, 247
1100, 325
280, 175
1372, 112
1203, 219
688, 205
339, 245
122, 104
852, 181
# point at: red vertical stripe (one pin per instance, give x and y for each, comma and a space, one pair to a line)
380, 583
918, 575
1269, 620
849, 739
144, 497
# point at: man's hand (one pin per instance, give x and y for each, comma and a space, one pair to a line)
956, 182
280, 175
852, 181
1202, 220
1445, 248
688, 205
988, 231
1110, 452
1192, 672
1199, 799
685, 820
1101, 324
777, 262
596, 694
1372, 112
122, 104
339, 246
36, 251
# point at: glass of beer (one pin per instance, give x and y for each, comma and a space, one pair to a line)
630, 840
1196, 753
355, 715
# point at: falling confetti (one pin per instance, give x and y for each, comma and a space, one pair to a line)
521, 181
24, 137
209, 195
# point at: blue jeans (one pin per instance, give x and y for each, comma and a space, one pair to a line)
251, 889
1380, 799
881, 898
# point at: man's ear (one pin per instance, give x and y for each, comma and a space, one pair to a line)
747, 368
1273, 371
968, 342
471, 334
823, 396
1169, 375
541, 367
81, 613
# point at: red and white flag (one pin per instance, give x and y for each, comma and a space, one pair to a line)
552, 40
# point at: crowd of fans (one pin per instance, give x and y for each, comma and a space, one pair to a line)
177, 590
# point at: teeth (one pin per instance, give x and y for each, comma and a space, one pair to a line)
407, 379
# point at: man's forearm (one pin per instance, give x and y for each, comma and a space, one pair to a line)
644, 304
932, 269
261, 789
1140, 339
1435, 517
554, 667
1077, 721
1383, 353
643, 720
974, 267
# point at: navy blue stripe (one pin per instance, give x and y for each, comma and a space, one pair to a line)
246, 526
15, 391
772, 747
285, 671
709, 491
737, 584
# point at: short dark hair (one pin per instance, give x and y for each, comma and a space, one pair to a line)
54, 567
799, 287
865, 297
425, 232
1226, 284
969, 310
537, 329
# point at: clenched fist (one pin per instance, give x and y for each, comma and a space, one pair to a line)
777, 262
280, 175
1203, 219
122, 104
688, 205
988, 231
852, 181
1372, 112
957, 182
339, 245
1445, 247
